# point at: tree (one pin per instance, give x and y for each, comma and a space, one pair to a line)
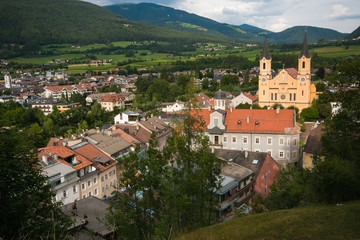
309, 114
26, 198
229, 79
246, 77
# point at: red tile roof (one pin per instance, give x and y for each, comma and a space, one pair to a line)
202, 97
126, 137
254, 120
63, 152
112, 98
59, 88
252, 97
293, 72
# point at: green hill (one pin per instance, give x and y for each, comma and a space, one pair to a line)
72, 21
315, 222
354, 34
179, 20
296, 35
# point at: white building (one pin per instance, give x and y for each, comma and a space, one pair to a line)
8, 83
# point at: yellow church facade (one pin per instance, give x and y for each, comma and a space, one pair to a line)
290, 87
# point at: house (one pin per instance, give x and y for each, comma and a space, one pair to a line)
67, 90
259, 130
44, 104
5, 98
173, 107
312, 146
107, 166
261, 170
66, 106
90, 99
109, 101
88, 216
113, 146
127, 117
64, 179
85, 169
244, 98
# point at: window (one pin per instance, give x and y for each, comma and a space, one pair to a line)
281, 141
269, 141
287, 154
302, 93
245, 140
264, 65
265, 189
89, 183
110, 173
111, 184
265, 175
281, 154
294, 96
106, 176
257, 140
272, 96
102, 178
95, 191
275, 96
65, 194
84, 196
234, 139
83, 186
114, 172
89, 193
293, 154
216, 139
290, 96
103, 189
294, 142
263, 92
225, 139
95, 180
216, 121
107, 187
54, 199
303, 64
74, 189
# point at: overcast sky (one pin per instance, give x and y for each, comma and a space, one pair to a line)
274, 15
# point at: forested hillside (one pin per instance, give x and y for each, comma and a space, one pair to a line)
71, 21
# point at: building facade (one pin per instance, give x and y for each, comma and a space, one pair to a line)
290, 87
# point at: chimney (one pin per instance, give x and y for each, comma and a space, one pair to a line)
246, 154
277, 110
152, 115
209, 108
247, 119
97, 129
231, 109
44, 159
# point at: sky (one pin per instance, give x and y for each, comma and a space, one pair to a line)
273, 15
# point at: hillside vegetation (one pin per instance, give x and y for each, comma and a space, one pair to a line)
175, 19
70, 21
315, 222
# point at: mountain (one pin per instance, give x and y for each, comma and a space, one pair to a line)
296, 35
72, 21
179, 20
354, 34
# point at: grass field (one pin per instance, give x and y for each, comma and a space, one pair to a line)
45, 59
316, 222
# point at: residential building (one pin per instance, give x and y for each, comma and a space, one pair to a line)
109, 101
90, 99
290, 87
127, 117
244, 98
173, 107
8, 81
64, 179
45, 105
67, 90
312, 146
66, 106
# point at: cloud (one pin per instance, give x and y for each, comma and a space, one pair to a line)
280, 25
340, 12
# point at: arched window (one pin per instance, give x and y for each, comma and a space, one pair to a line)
264, 65
303, 64
302, 93
272, 96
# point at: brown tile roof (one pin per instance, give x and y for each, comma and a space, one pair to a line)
260, 120
138, 132
91, 152
126, 137
252, 97
154, 124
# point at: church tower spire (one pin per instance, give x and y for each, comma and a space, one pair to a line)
265, 61
304, 60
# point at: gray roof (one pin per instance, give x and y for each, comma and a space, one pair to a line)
305, 49
220, 95
95, 211
227, 184
215, 130
240, 158
265, 52
313, 143
110, 145
236, 171
58, 168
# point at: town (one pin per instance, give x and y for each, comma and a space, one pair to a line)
154, 139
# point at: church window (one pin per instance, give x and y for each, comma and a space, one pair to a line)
303, 64
290, 96
263, 92
272, 96
294, 96
264, 65
302, 93
275, 96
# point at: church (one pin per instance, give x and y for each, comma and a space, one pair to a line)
290, 87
